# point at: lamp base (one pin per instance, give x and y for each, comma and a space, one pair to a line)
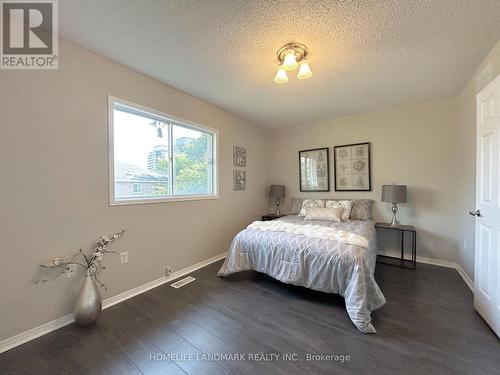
278, 213
394, 221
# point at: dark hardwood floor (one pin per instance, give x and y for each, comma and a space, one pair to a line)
428, 326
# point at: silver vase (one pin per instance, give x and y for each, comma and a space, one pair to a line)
88, 305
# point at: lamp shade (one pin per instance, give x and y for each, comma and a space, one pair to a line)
394, 193
277, 191
304, 70
290, 60
281, 76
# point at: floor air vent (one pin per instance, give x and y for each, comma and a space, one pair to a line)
182, 282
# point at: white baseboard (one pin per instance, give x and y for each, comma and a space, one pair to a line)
36, 332
162, 280
33, 333
465, 277
438, 262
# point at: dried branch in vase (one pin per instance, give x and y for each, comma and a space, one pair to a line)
91, 263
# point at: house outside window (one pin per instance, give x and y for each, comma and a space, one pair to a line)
137, 187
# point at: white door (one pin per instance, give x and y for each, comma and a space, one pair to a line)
487, 257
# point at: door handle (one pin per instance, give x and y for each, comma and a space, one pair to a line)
475, 213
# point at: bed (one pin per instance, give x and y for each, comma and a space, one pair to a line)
332, 257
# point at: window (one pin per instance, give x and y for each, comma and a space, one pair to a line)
137, 188
155, 157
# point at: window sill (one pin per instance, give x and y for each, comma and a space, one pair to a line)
162, 200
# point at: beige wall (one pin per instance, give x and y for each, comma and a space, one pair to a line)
413, 145
466, 139
54, 168
429, 146
53, 152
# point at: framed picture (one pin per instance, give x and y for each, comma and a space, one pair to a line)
239, 180
352, 167
239, 156
314, 169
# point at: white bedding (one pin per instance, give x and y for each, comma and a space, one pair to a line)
312, 230
326, 256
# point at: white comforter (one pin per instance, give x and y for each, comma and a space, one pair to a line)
325, 256
312, 230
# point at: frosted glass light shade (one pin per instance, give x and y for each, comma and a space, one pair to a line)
281, 76
290, 61
304, 70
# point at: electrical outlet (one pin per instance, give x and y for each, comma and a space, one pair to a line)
168, 270
124, 257
70, 271
465, 244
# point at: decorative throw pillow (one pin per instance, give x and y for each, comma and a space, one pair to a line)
329, 214
345, 204
296, 206
308, 203
362, 209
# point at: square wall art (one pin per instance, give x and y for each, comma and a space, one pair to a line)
239, 180
352, 167
239, 156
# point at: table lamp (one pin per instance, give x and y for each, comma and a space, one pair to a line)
394, 194
277, 192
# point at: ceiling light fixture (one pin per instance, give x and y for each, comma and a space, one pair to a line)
291, 56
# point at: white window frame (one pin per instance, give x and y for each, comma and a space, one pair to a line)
164, 117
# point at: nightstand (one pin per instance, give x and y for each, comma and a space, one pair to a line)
271, 217
401, 230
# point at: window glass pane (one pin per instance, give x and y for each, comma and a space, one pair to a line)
141, 156
192, 152
157, 158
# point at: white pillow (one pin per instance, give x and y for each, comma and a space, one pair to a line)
329, 214
345, 204
314, 203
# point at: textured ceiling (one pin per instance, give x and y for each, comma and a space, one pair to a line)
365, 55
